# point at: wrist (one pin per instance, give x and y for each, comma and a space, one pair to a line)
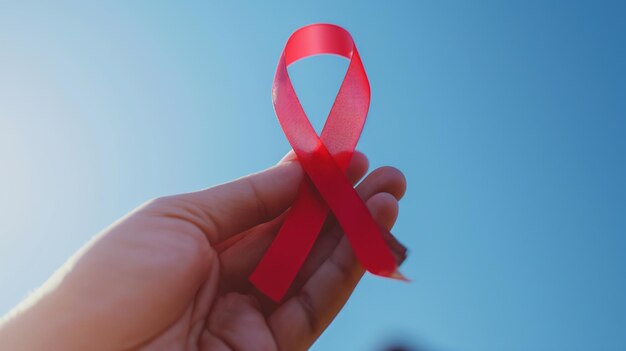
36, 325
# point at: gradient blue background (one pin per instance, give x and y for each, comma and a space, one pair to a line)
508, 119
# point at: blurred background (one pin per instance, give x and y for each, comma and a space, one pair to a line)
508, 119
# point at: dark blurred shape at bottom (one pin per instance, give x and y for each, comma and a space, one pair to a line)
400, 348
406, 347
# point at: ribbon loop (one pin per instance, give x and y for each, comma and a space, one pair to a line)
325, 159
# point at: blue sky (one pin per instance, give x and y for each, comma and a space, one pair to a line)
508, 119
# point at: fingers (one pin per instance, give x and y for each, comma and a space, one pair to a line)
394, 180
238, 261
225, 210
382, 180
302, 318
236, 323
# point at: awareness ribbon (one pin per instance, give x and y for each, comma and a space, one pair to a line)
325, 160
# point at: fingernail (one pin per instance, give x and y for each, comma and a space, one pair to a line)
290, 156
399, 251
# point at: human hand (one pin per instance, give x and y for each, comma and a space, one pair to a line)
172, 275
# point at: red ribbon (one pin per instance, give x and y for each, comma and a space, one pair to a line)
325, 160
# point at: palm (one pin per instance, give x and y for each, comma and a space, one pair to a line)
225, 311
216, 320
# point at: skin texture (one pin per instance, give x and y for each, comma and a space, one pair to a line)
172, 275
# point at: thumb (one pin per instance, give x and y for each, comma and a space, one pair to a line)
230, 208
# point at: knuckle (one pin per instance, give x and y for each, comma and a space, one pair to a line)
306, 302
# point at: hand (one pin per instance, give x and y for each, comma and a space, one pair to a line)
172, 275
